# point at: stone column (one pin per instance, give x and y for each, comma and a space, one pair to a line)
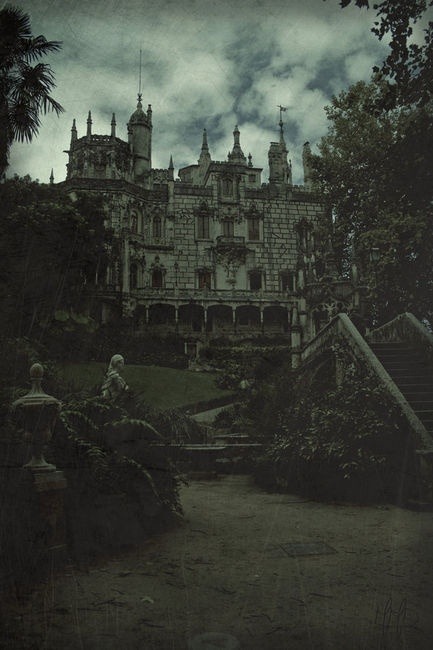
295, 335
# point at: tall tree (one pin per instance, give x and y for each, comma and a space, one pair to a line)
408, 68
25, 82
51, 251
376, 175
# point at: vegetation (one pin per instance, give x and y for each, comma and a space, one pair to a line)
25, 82
328, 441
164, 388
51, 250
375, 166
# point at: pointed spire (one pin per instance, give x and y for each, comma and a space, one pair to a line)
89, 125
113, 126
139, 104
171, 168
250, 160
52, 177
149, 113
73, 132
204, 153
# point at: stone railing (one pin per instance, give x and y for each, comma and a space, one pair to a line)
343, 326
405, 328
215, 296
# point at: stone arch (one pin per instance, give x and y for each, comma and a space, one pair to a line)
161, 314
220, 318
248, 316
275, 318
191, 317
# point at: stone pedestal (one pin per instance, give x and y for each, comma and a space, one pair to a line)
50, 488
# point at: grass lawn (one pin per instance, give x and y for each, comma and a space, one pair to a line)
160, 387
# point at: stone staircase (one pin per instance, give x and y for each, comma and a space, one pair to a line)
412, 374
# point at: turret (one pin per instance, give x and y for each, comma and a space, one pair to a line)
280, 172
73, 133
237, 155
140, 140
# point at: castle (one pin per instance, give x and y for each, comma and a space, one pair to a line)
216, 252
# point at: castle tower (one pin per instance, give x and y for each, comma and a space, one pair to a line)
140, 139
280, 172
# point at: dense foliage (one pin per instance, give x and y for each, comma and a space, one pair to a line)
376, 164
50, 252
25, 82
376, 172
329, 441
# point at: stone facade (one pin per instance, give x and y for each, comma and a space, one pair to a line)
216, 252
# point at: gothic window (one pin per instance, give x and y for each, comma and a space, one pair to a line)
228, 228
157, 228
157, 279
253, 228
287, 281
133, 276
255, 280
203, 226
134, 223
204, 279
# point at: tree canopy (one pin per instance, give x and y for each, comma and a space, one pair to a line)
25, 82
376, 171
50, 252
408, 68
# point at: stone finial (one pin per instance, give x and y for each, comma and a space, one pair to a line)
52, 177
250, 160
37, 413
113, 126
204, 153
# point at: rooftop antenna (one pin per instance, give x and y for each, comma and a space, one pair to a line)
139, 79
283, 109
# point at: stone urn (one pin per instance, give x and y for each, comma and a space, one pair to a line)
37, 413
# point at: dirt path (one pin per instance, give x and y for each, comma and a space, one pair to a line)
228, 570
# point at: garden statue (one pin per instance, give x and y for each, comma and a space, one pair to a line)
114, 385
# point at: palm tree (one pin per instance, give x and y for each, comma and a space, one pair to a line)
25, 83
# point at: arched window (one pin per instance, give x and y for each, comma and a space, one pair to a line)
227, 186
133, 276
157, 279
203, 226
157, 228
134, 223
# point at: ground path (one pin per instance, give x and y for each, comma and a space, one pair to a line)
232, 568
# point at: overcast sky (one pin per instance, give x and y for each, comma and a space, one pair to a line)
205, 64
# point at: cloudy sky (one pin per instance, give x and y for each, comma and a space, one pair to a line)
210, 64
